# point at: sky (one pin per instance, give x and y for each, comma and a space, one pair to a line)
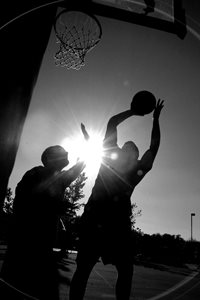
129, 58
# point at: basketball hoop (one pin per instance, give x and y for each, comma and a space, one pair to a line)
77, 33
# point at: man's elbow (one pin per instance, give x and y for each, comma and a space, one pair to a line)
113, 122
149, 167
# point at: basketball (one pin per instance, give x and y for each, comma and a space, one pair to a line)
143, 103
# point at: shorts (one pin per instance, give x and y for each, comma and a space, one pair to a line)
112, 242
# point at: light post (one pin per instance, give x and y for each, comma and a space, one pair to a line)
192, 215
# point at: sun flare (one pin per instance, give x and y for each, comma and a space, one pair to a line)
90, 151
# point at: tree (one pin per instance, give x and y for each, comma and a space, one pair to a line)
69, 219
8, 202
73, 195
135, 213
6, 215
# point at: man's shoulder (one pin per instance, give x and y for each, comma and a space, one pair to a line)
33, 173
36, 169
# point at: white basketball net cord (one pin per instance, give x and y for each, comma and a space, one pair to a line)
75, 42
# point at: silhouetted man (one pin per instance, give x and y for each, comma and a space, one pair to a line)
105, 229
29, 264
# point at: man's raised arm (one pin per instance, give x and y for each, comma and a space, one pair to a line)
111, 130
155, 135
70, 175
149, 156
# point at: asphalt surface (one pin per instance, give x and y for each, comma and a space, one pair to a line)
149, 283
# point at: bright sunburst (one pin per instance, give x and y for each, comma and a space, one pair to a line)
90, 151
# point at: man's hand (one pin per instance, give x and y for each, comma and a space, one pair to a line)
158, 108
84, 131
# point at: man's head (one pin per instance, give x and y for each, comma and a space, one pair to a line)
55, 157
131, 150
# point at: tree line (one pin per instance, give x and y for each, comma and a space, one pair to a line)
156, 248
165, 249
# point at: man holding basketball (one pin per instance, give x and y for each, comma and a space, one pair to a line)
105, 229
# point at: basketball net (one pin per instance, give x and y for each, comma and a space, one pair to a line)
77, 33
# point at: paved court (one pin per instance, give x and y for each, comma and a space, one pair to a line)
149, 283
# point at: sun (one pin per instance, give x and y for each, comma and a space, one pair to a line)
90, 151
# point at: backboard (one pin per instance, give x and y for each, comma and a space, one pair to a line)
164, 15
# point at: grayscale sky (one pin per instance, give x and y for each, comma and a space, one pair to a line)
129, 58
